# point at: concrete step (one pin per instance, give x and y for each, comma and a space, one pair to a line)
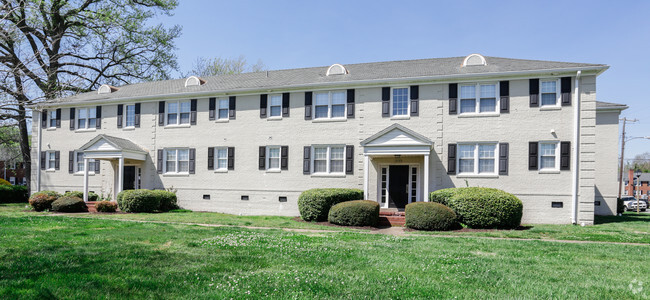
392, 220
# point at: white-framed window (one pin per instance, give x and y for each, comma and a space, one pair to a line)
178, 112
478, 158
400, 102
52, 116
221, 158
275, 106
329, 105
129, 116
224, 106
548, 158
51, 160
328, 159
177, 160
549, 92
24, 180
11, 165
86, 118
478, 98
273, 158
79, 163
12, 180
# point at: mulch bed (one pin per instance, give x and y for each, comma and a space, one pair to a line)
325, 223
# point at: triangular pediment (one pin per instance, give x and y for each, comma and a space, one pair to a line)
101, 145
104, 142
396, 135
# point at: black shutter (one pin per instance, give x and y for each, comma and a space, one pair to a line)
285, 104
263, 105
161, 115
137, 115
160, 160
350, 101
97, 168
451, 159
232, 107
565, 155
262, 158
504, 100
231, 158
453, 101
98, 116
192, 166
532, 156
415, 102
57, 159
349, 159
503, 158
565, 88
308, 101
58, 118
306, 160
284, 158
533, 91
210, 158
193, 112
120, 113
385, 102
212, 107
72, 118
43, 154
71, 162
44, 119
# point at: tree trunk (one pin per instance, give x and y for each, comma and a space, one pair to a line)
24, 145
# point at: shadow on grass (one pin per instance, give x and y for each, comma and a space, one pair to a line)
627, 217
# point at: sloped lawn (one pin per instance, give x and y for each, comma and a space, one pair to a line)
63, 257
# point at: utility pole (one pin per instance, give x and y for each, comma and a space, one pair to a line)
620, 174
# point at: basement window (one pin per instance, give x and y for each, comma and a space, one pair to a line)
557, 204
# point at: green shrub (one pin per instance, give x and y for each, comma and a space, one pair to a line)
620, 206
69, 204
13, 194
91, 196
355, 213
167, 200
441, 196
42, 200
479, 207
106, 206
315, 204
430, 216
138, 201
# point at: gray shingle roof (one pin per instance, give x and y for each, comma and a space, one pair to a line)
120, 143
358, 73
610, 105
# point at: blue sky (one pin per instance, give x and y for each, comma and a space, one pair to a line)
293, 34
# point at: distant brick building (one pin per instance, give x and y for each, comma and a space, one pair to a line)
631, 184
13, 172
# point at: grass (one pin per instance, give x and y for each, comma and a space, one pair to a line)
63, 257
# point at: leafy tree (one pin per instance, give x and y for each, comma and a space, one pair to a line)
57, 48
640, 162
204, 67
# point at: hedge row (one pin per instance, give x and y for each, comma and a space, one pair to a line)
13, 194
43, 200
91, 196
315, 204
146, 200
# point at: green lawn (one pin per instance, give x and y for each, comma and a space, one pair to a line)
63, 257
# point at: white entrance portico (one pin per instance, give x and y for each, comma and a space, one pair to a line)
110, 148
399, 158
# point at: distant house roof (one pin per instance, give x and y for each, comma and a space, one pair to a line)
601, 105
363, 73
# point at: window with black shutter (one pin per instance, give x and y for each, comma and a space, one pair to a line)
385, 102
451, 159
453, 99
533, 91
504, 96
503, 158
415, 102
308, 105
533, 156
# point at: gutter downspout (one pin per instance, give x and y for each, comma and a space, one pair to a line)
38, 151
576, 151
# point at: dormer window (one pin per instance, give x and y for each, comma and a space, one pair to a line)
193, 81
106, 89
474, 60
336, 69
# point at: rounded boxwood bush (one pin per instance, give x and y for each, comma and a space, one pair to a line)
13, 194
138, 201
355, 213
479, 207
315, 204
430, 216
69, 204
42, 200
91, 196
4, 182
442, 196
168, 200
106, 206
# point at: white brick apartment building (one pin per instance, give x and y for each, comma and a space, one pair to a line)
251, 143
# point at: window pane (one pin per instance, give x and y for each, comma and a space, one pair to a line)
336, 153
466, 166
276, 100
172, 118
82, 113
172, 107
171, 166
467, 106
320, 166
486, 165
222, 153
53, 118
183, 154
336, 166
486, 151
130, 115
185, 118
81, 123
92, 113
171, 154
488, 105
275, 111
80, 161
338, 111
92, 123
548, 162
468, 92
338, 98
320, 153
466, 151
185, 107
322, 99
224, 104
223, 113
547, 149
400, 101
321, 112
549, 99
488, 91
274, 163
222, 163
183, 166
548, 86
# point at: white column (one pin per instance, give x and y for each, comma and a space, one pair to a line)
365, 176
120, 177
425, 182
85, 179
